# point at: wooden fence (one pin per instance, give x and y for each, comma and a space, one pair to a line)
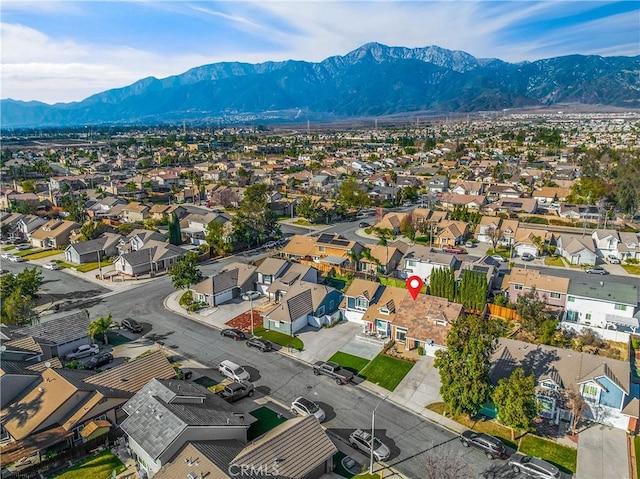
503, 312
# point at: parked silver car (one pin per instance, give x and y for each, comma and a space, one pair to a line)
304, 407
83, 351
533, 467
361, 440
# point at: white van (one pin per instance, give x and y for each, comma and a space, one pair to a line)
232, 370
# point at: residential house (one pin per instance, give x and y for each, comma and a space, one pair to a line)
154, 257
137, 239
231, 282
424, 322
288, 279
332, 251
438, 184
13, 199
513, 205
489, 225
392, 222
28, 224
576, 249
472, 202
59, 337
548, 195
604, 383
162, 212
379, 259
450, 233
551, 290
93, 250
304, 304
528, 240
469, 188
53, 234
301, 446
165, 415
498, 191
18, 376
602, 304
359, 296
194, 226
628, 246
103, 208
299, 247
268, 270
379, 317
422, 261
579, 212
606, 242
135, 212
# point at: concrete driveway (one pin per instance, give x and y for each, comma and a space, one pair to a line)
321, 344
602, 453
420, 387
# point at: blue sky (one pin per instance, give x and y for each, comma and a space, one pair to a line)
67, 50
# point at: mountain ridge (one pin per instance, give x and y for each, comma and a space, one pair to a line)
371, 80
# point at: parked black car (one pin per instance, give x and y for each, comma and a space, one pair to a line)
98, 361
491, 446
132, 325
262, 344
234, 333
234, 391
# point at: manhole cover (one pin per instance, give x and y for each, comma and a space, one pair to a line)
309, 387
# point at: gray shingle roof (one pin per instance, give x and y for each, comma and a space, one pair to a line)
605, 290
59, 330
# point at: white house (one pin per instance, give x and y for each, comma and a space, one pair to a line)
422, 261
577, 249
357, 299
629, 246
606, 241
602, 304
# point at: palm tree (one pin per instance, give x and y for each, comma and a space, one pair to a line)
384, 235
354, 258
101, 326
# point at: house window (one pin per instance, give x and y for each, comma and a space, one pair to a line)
401, 335
321, 311
555, 295
549, 384
587, 316
621, 307
517, 287
331, 305
590, 393
321, 249
571, 299
411, 263
362, 303
267, 278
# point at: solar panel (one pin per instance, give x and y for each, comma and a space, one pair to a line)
341, 242
325, 238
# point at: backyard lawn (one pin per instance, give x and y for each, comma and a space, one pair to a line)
562, 456
353, 363
553, 261
96, 467
267, 419
279, 338
386, 372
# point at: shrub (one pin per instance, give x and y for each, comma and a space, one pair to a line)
635, 342
186, 299
420, 351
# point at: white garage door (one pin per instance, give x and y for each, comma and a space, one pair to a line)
224, 297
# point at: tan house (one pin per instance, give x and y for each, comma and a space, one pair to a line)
424, 322
53, 234
450, 233
380, 316
383, 259
135, 212
551, 290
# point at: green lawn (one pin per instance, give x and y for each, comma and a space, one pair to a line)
337, 283
488, 427
632, 268
398, 283
96, 467
353, 363
83, 268
8, 247
279, 338
267, 419
386, 372
636, 447
42, 254
64, 264
562, 456
27, 252
553, 261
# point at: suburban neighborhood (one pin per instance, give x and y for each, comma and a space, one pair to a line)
136, 267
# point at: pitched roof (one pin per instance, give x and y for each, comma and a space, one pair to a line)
301, 443
390, 299
423, 317
271, 266
570, 366
132, 376
60, 330
304, 298
211, 458
605, 290
362, 287
533, 278
27, 344
299, 245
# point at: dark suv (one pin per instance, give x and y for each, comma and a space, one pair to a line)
99, 360
491, 446
132, 325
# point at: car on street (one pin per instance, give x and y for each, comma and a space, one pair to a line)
15, 259
613, 259
5, 255
363, 224
99, 360
527, 257
270, 244
453, 250
232, 370
22, 247
305, 407
259, 343
469, 244
251, 295
51, 266
3, 271
83, 351
234, 333
132, 325
498, 258
362, 440
491, 446
533, 467
596, 270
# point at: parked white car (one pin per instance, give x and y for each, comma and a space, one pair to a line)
51, 266
234, 371
304, 407
613, 259
16, 259
83, 351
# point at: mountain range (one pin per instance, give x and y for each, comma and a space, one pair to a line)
373, 80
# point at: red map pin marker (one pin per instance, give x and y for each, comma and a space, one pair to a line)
414, 285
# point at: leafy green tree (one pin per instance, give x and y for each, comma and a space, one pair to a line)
92, 230
28, 186
19, 310
464, 365
309, 209
215, 238
254, 222
185, 272
175, 234
533, 312
125, 229
100, 326
407, 227
515, 400
353, 195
